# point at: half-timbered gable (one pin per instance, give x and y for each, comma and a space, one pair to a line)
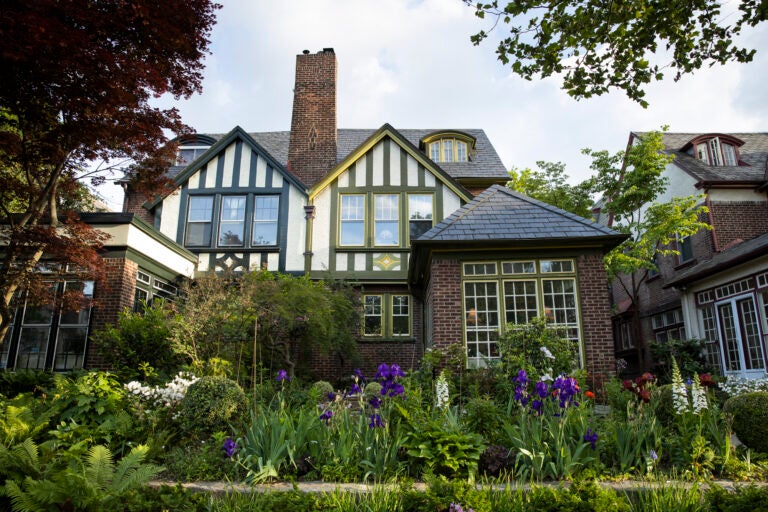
369, 208
237, 208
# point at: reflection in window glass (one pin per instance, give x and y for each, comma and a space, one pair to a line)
265, 210
372, 324
461, 151
419, 214
401, 325
352, 220
386, 220
232, 221
199, 221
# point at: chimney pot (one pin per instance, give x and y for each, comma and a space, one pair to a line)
305, 52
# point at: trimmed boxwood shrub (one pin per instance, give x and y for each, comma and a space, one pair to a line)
211, 404
320, 390
750, 419
371, 390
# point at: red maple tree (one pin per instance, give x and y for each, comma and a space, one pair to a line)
76, 84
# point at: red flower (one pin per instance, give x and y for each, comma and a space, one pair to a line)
705, 379
628, 385
644, 395
589, 395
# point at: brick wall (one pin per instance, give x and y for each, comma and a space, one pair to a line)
407, 353
596, 317
132, 203
444, 290
111, 298
312, 149
738, 219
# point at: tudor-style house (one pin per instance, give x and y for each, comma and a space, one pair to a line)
406, 215
717, 288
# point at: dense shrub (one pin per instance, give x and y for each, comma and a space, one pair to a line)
211, 405
139, 339
321, 389
372, 389
25, 381
750, 419
663, 405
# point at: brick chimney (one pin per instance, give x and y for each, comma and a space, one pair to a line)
312, 149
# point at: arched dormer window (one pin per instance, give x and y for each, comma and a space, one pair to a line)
451, 146
191, 147
715, 149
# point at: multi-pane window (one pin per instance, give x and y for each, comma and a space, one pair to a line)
729, 155
716, 152
265, 211
520, 302
625, 336
199, 221
352, 220
419, 214
52, 337
232, 224
481, 306
386, 315
401, 318
73, 329
151, 290
386, 219
448, 150
668, 326
685, 247
709, 330
187, 154
525, 290
372, 316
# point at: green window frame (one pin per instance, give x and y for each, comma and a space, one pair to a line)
387, 315
421, 214
352, 220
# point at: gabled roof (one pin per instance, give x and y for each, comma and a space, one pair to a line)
388, 131
727, 259
500, 214
483, 164
182, 174
753, 154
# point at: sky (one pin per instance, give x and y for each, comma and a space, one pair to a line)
410, 63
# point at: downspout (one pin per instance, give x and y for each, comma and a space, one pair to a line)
309, 215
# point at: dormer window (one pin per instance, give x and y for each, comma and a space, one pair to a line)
717, 151
448, 146
188, 154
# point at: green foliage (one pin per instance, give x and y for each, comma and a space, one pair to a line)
668, 496
211, 405
631, 438
442, 448
483, 416
550, 186
140, 338
20, 419
25, 381
372, 389
596, 47
201, 461
275, 320
688, 354
750, 419
68, 482
320, 389
522, 347
743, 499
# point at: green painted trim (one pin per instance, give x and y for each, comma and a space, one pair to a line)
406, 146
220, 167
236, 166
181, 221
404, 169
386, 177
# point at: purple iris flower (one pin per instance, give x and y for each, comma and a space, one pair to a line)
536, 405
375, 402
229, 447
522, 377
591, 438
654, 455
354, 389
392, 388
376, 421
326, 416
383, 372
542, 389
395, 371
282, 375
331, 396
359, 374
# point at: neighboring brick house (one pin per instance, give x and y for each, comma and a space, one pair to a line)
140, 264
717, 289
351, 204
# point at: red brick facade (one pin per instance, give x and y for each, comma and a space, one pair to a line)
444, 296
312, 149
133, 203
111, 298
742, 219
595, 316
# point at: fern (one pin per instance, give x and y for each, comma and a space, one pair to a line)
100, 468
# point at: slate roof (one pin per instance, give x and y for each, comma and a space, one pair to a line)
484, 163
736, 255
501, 214
754, 153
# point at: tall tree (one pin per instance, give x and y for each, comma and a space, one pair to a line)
631, 184
599, 46
549, 184
76, 83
